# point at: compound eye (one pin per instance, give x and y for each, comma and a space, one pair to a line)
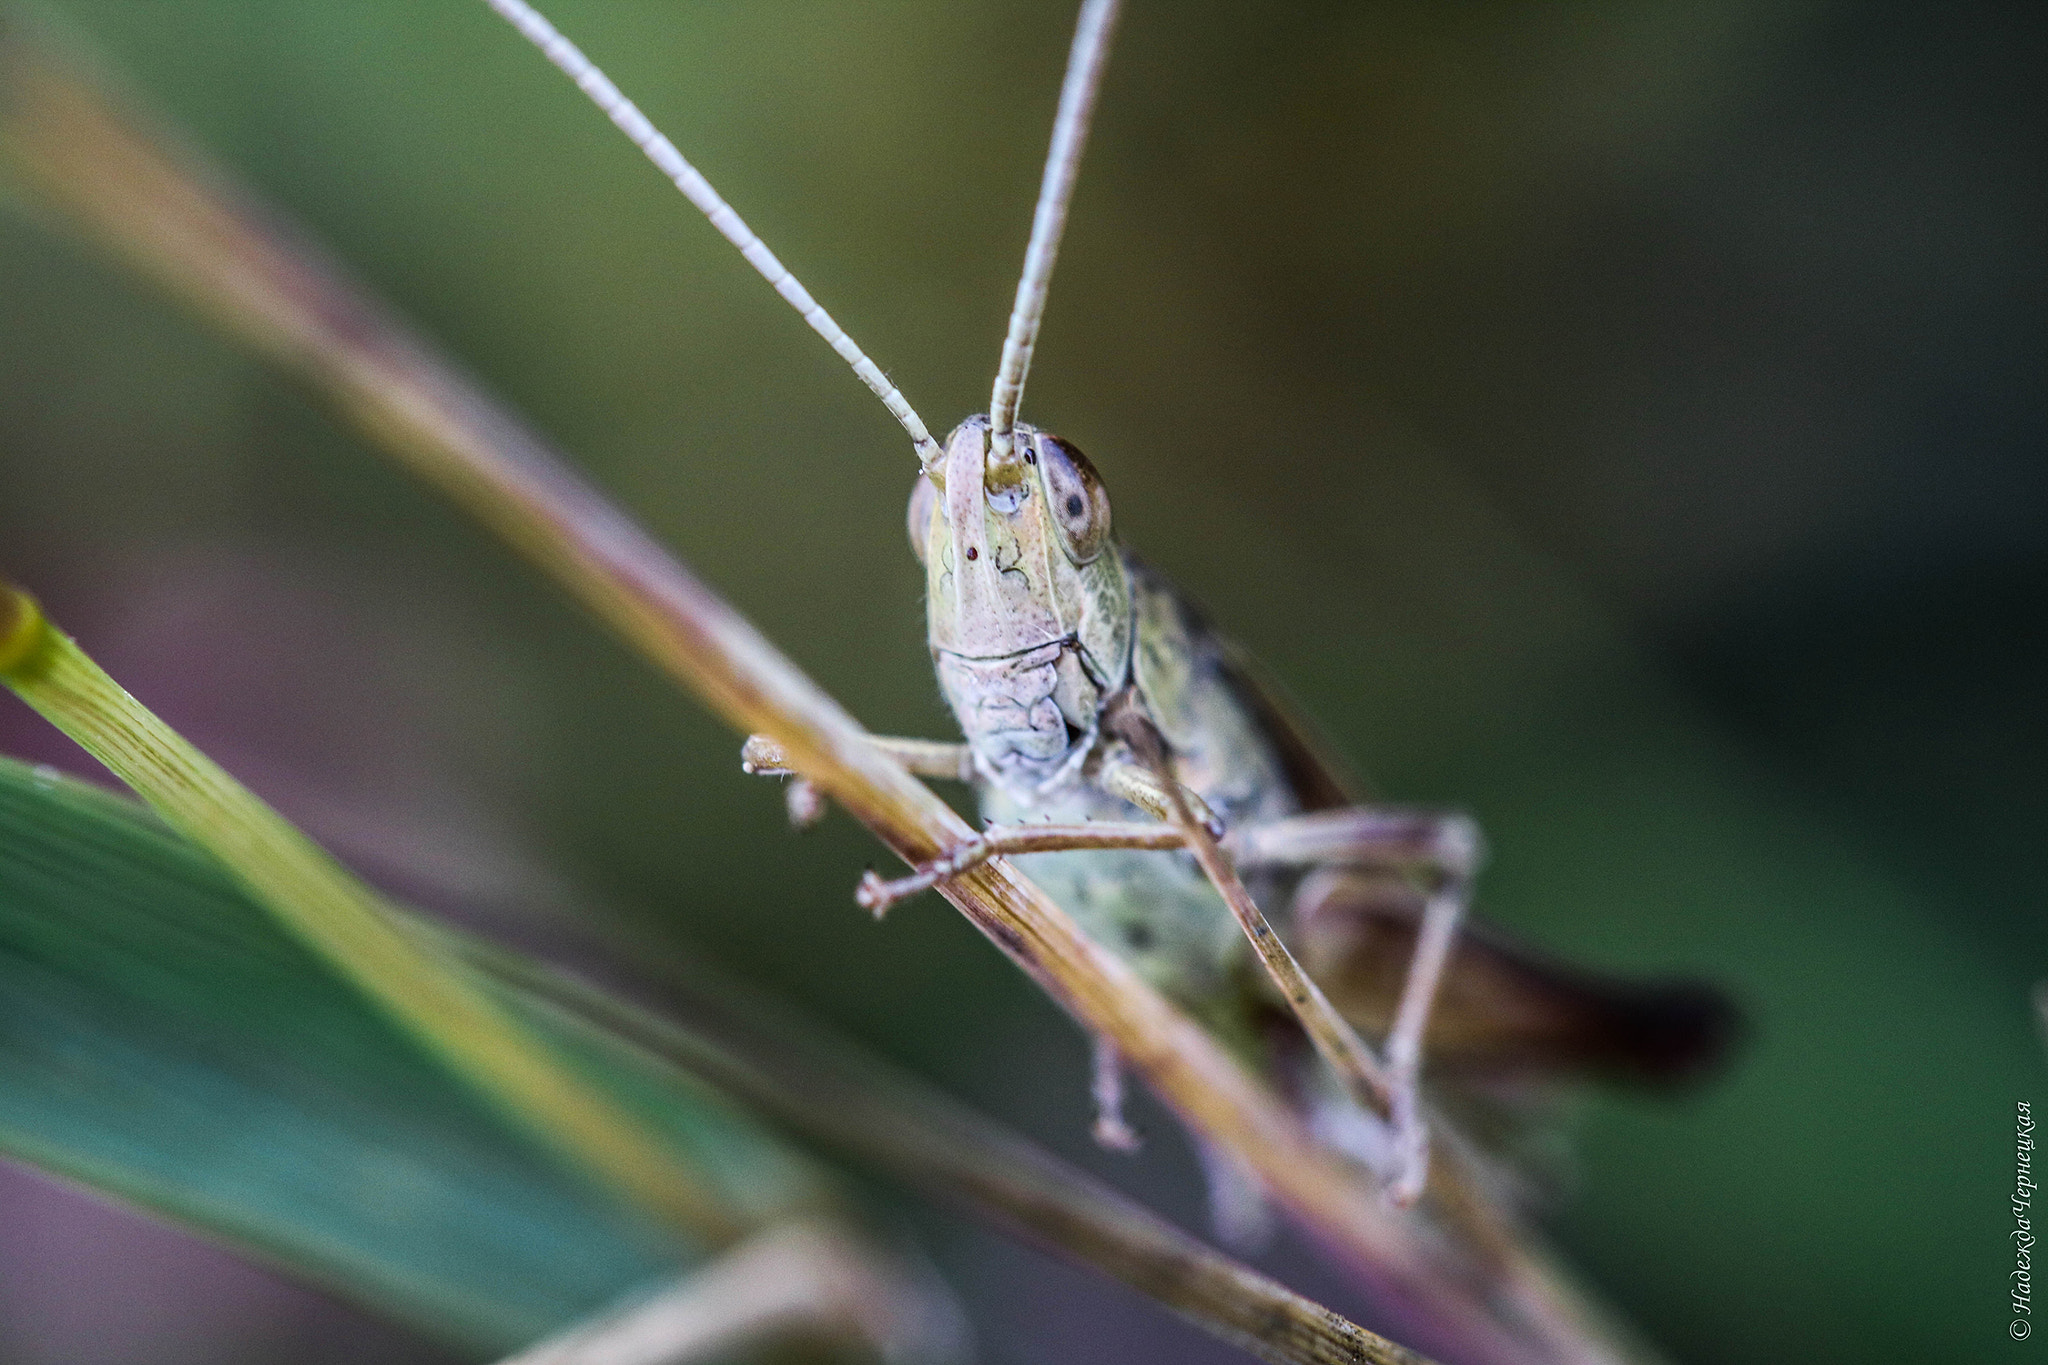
923, 498
1075, 494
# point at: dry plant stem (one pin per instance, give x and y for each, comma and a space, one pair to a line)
178, 225
805, 1279
882, 1116
346, 923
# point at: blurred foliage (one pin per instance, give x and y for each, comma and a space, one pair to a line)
1620, 420
168, 1042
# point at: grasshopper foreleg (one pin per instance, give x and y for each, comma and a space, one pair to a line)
1135, 783
878, 895
761, 756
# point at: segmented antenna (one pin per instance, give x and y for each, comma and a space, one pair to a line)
569, 59
1085, 61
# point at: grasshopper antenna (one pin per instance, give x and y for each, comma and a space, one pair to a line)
1085, 62
569, 59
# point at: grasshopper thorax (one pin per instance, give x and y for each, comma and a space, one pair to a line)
1027, 600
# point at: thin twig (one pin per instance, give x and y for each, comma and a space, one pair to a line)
806, 1279
175, 223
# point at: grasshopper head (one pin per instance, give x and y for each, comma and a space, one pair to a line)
1028, 605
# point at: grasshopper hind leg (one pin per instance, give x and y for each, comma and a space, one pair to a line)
1437, 851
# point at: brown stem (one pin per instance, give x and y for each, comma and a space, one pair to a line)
807, 1280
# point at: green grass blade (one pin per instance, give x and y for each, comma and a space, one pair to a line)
345, 922
164, 1040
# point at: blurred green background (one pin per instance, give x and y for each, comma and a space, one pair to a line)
1623, 421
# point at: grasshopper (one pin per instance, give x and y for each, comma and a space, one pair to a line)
1158, 786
